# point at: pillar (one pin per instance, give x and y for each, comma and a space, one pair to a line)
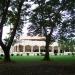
53, 49
18, 48
14, 48
39, 49
58, 49
23, 49
32, 49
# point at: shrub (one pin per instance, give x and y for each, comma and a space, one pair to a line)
55, 53
37, 54
21, 54
2, 55
27, 54
18, 54
73, 53
12, 54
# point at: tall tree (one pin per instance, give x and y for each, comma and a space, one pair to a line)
45, 18
67, 28
67, 44
13, 17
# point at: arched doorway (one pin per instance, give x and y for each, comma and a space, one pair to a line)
42, 49
20, 48
50, 49
15, 49
35, 49
27, 48
55, 50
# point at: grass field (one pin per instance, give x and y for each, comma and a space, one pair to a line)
37, 67
67, 59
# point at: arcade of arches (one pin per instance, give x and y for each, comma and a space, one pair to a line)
35, 48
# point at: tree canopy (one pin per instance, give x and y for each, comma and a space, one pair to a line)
45, 18
12, 13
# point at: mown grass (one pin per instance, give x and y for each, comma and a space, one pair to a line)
64, 59
26, 58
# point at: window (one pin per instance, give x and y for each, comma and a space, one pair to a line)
42, 48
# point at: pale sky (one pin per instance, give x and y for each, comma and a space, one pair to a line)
7, 30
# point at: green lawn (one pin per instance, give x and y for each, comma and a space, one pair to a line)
26, 58
40, 58
67, 59
38, 67
64, 58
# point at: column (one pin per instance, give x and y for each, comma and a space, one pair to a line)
18, 48
31, 49
39, 49
53, 49
14, 48
58, 50
23, 49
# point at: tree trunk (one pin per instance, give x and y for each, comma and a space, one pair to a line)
46, 58
7, 55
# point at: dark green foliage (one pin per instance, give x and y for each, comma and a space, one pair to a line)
37, 54
27, 54
18, 54
67, 44
11, 14
68, 24
45, 19
21, 54
12, 54
1, 55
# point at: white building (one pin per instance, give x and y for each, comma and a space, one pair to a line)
33, 45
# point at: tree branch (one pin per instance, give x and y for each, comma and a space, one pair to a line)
16, 24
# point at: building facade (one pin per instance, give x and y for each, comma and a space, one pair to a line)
33, 45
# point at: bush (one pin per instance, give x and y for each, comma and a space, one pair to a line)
37, 54
2, 55
21, 54
18, 54
55, 53
12, 54
73, 53
27, 54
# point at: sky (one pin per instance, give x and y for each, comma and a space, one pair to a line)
6, 29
